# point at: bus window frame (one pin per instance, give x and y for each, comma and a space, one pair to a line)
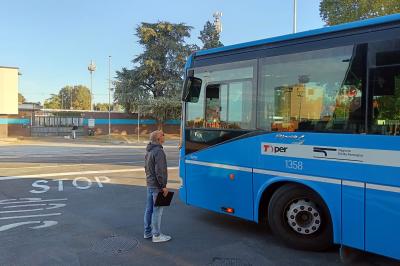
227, 66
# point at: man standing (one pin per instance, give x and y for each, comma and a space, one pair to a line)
74, 129
156, 178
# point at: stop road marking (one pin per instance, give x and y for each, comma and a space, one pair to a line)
78, 182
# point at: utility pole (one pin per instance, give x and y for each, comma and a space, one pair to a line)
109, 95
138, 123
91, 68
294, 16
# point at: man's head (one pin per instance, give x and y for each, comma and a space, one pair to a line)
157, 137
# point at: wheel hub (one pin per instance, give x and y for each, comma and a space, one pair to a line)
303, 217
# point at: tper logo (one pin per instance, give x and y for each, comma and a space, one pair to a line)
274, 149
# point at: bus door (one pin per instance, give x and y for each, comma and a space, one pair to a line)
221, 189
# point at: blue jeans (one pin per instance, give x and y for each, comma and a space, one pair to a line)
152, 214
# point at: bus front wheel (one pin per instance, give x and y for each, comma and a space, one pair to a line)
300, 218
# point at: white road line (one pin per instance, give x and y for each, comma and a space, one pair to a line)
77, 173
26, 205
30, 210
75, 145
30, 201
63, 165
29, 216
128, 162
45, 166
30, 156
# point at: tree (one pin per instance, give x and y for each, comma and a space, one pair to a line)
161, 109
81, 98
156, 80
66, 95
21, 98
101, 107
160, 66
70, 97
53, 102
77, 97
341, 11
209, 36
128, 90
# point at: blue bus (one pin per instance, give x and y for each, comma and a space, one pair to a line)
300, 132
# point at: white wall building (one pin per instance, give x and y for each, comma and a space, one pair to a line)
8, 96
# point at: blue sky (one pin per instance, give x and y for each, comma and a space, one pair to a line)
52, 42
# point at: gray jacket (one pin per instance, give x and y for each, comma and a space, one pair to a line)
156, 166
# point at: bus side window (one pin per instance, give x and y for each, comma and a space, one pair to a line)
384, 73
385, 113
314, 91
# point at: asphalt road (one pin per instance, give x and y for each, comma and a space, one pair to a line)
83, 205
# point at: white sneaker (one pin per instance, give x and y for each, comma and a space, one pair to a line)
147, 236
161, 238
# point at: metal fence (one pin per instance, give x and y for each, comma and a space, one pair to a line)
38, 131
56, 121
55, 126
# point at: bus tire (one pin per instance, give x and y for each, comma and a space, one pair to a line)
300, 218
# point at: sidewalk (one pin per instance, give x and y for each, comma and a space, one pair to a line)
86, 141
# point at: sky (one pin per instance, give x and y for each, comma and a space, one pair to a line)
52, 42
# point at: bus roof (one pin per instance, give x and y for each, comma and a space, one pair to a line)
331, 29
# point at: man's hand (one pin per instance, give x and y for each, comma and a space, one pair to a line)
165, 191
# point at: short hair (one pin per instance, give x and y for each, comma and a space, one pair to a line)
154, 136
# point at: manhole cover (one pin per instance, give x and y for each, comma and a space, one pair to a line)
228, 262
115, 245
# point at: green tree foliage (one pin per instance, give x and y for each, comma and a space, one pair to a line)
341, 11
70, 97
129, 90
53, 102
66, 96
209, 36
161, 109
154, 85
160, 66
81, 98
101, 107
21, 98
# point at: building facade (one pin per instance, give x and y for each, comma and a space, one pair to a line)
8, 96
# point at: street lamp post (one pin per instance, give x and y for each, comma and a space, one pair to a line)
294, 16
91, 68
109, 95
138, 123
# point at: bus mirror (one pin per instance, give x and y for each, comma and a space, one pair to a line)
191, 90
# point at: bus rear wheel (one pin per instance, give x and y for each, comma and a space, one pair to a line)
300, 218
